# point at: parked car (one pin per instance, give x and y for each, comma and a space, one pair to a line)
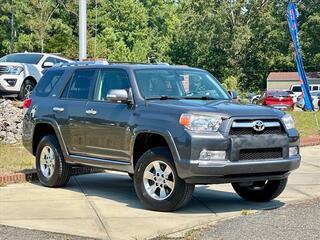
315, 100
168, 127
292, 95
20, 72
278, 99
255, 98
296, 89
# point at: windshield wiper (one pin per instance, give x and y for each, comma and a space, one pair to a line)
163, 97
201, 98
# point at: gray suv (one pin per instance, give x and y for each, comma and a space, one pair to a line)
168, 127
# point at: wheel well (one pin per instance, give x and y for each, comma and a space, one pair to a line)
31, 79
146, 141
41, 130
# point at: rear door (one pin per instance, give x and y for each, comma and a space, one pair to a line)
70, 110
109, 122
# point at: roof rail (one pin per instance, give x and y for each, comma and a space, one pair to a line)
143, 63
81, 63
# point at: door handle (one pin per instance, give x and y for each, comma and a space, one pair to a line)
58, 109
91, 112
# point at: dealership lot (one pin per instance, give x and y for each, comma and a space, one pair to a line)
105, 206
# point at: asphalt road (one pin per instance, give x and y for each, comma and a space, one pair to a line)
12, 233
298, 221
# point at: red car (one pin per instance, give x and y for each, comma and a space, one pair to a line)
278, 99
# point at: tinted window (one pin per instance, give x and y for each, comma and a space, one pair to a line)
60, 61
50, 59
22, 58
110, 79
315, 88
48, 82
296, 89
80, 84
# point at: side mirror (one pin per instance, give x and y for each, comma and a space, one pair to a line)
48, 65
119, 95
233, 94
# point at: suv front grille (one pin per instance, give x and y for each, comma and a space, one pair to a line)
250, 131
262, 153
245, 127
3, 69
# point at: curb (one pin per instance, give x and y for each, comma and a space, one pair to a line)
309, 141
31, 175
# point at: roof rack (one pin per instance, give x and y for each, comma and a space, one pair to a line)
81, 63
142, 63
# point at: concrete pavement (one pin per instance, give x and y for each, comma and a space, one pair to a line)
105, 206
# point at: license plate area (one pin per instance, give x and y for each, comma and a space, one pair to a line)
259, 147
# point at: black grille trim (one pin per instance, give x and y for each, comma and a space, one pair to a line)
251, 131
236, 131
262, 153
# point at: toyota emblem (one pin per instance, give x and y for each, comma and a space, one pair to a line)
258, 126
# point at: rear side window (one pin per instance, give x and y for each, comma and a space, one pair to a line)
80, 84
48, 82
296, 89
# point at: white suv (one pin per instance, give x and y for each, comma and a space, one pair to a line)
20, 72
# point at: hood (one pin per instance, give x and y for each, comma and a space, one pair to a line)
11, 64
225, 107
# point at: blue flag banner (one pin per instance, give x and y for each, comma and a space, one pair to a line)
293, 27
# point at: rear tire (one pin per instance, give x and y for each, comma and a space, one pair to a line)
157, 183
52, 169
261, 191
26, 89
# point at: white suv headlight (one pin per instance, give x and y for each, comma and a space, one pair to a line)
288, 121
15, 70
195, 122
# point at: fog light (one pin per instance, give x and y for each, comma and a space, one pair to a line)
293, 151
11, 82
212, 155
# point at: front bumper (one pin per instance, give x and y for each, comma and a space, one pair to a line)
8, 89
232, 169
241, 171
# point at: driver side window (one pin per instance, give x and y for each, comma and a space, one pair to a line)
110, 79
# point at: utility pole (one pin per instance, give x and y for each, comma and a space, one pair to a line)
12, 29
82, 30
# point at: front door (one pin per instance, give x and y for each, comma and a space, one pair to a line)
109, 125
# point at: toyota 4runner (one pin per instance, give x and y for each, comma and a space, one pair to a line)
168, 127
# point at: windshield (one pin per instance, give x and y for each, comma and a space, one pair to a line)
22, 58
173, 83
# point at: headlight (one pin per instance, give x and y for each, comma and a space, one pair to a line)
288, 121
15, 70
203, 123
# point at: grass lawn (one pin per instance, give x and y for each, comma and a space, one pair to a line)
306, 123
15, 158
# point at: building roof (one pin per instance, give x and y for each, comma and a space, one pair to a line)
290, 76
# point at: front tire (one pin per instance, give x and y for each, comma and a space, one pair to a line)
157, 183
52, 169
263, 191
26, 89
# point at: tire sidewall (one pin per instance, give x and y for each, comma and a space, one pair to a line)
157, 154
24, 84
52, 143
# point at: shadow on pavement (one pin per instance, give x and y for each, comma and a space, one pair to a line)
115, 187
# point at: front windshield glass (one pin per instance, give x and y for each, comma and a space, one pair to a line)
177, 83
22, 58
